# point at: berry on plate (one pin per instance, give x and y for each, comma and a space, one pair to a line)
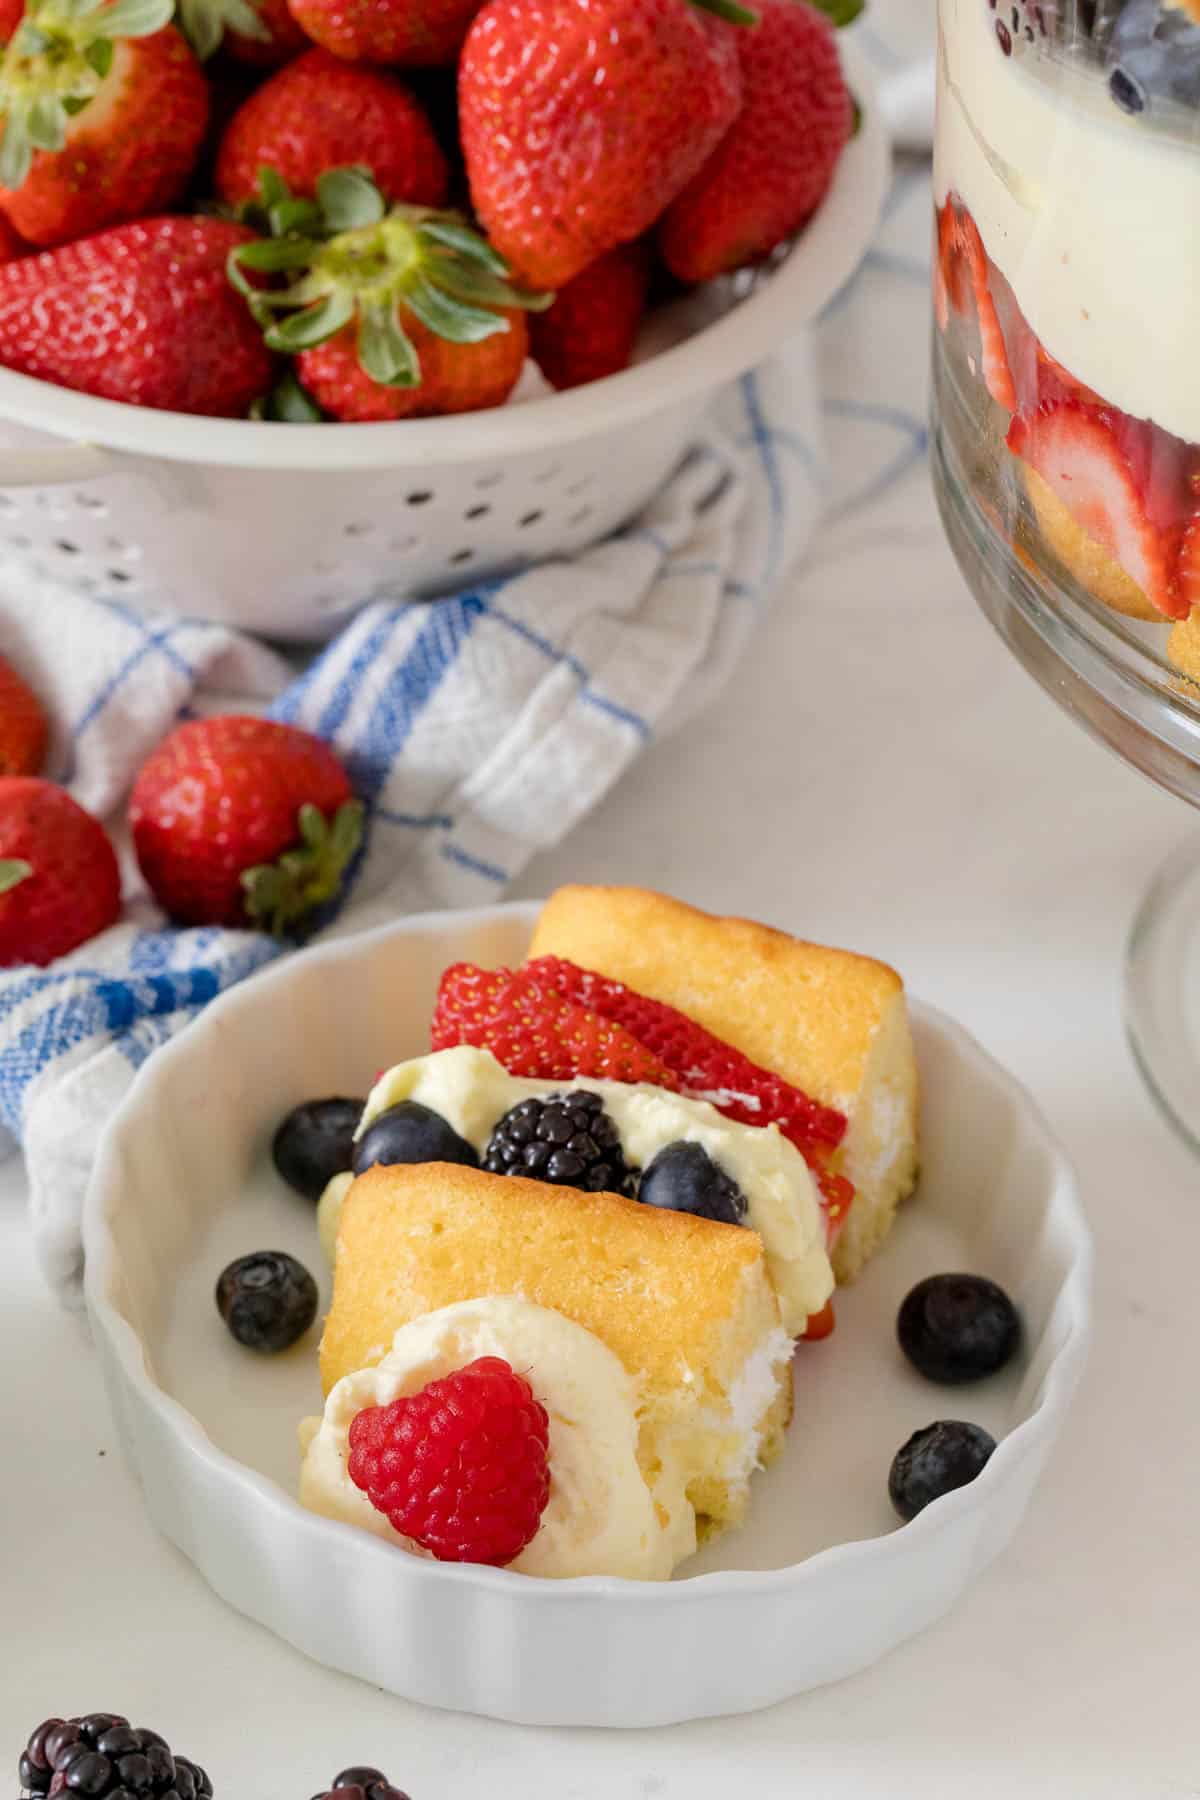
567, 1140
410, 1133
581, 122
23, 727
773, 167
243, 821
104, 109
361, 1783
101, 1756
413, 33
936, 1460
956, 1328
390, 313
59, 882
1120, 481
315, 1142
143, 313
267, 1299
963, 274
591, 329
684, 1178
533, 1030
461, 1467
320, 114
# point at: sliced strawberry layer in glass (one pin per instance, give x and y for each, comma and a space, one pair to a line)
552, 1020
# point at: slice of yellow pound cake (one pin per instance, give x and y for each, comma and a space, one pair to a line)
830, 1022
685, 1303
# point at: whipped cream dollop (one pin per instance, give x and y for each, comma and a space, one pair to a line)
603, 1516
472, 1091
1087, 212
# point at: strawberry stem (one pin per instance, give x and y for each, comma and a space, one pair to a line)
12, 872
729, 10
280, 894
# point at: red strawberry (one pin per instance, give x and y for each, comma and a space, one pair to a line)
583, 120
143, 313
104, 116
1188, 576
11, 14
1101, 467
535, 1032
242, 820
416, 33
592, 328
436, 329
773, 167
320, 114
59, 883
11, 246
820, 1325
997, 374
23, 727
462, 1466
454, 377
952, 287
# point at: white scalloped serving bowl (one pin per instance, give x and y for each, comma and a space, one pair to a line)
821, 1581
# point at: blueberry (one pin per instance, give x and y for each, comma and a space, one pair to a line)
267, 1299
935, 1461
956, 1328
684, 1178
411, 1133
315, 1143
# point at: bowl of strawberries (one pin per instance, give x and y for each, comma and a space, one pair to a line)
510, 251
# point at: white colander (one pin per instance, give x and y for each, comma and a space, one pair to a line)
286, 529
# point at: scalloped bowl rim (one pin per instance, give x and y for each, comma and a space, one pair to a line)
825, 255
1058, 1385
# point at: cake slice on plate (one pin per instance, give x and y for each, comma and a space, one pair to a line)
831, 1023
685, 1303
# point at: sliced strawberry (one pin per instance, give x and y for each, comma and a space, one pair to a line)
1054, 382
997, 373
951, 283
820, 1325
706, 1068
1106, 470
535, 1032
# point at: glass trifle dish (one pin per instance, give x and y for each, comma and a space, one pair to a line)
1067, 400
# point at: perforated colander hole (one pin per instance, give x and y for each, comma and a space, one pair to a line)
66, 546
580, 516
579, 487
548, 474
492, 479
119, 575
478, 512
462, 556
419, 497
92, 503
531, 518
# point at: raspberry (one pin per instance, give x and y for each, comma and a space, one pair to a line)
534, 1031
462, 1466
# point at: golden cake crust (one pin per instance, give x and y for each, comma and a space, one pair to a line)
657, 1287
805, 1011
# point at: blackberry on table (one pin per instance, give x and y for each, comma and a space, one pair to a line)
361, 1784
565, 1139
102, 1757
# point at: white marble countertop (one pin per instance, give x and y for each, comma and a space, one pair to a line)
879, 774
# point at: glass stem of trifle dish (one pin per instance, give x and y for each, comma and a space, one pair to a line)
1066, 403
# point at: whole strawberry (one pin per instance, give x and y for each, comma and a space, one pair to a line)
23, 727
104, 110
320, 114
583, 119
59, 883
592, 328
417, 33
391, 313
243, 821
142, 313
773, 168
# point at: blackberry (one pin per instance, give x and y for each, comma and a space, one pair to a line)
566, 1139
361, 1784
101, 1757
